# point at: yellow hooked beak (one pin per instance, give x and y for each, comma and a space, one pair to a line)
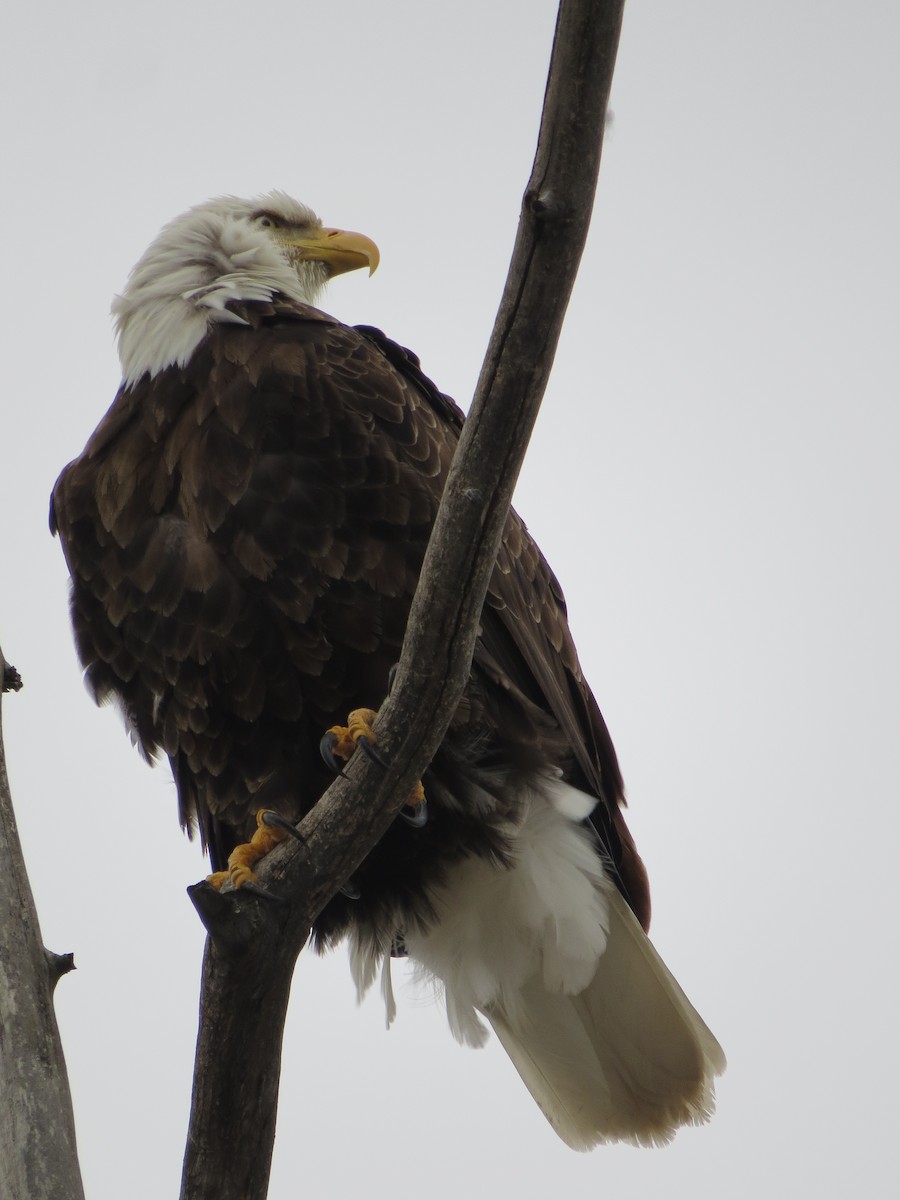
339, 249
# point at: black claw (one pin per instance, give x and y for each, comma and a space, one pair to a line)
368, 748
272, 818
326, 749
415, 814
351, 889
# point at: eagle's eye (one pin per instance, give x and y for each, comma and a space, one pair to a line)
265, 221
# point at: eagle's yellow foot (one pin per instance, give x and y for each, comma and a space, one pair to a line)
342, 741
270, 830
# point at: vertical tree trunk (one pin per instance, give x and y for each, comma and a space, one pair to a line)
38, 1159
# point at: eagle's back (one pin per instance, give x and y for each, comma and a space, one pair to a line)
245, 535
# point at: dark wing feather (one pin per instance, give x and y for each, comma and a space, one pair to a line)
244, 535
526, 645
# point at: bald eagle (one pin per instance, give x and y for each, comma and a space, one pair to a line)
244, 532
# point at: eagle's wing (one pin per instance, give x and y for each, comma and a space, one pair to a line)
245, 535
527, 646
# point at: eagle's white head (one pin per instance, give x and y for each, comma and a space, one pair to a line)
219, 252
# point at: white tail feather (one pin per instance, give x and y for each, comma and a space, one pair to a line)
548, 951
628, 1059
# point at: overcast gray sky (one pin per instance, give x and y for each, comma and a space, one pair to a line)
713, 478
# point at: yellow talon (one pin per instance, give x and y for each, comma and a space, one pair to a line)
347, 737
243, 858
359, 724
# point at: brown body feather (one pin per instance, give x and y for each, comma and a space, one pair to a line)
244, 535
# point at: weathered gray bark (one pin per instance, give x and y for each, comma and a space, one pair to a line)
38, 1159
254, 944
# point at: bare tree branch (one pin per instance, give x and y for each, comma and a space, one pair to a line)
38, 1159
254, 944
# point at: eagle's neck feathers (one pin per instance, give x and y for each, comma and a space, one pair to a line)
185, 282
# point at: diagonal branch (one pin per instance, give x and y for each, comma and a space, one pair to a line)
253, 945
